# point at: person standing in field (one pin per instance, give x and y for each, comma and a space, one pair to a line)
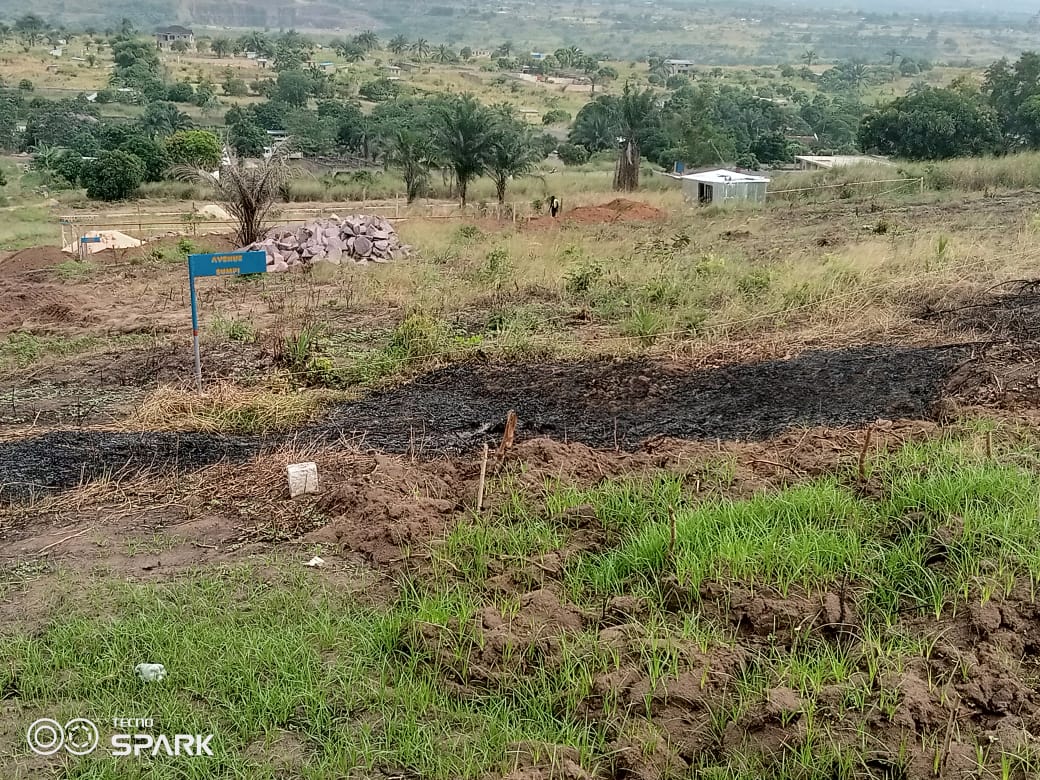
554, 206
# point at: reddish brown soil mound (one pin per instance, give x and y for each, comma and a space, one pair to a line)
33, 259
618, 210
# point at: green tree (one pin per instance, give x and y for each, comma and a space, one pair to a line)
513, 154
421, 49
293, 88
180, 46
292, 51
398, 44
379, 90
113, 175
151, 153
221, 46
463, 131
180, 92
128, 53
257, 42
810, 57
412, 153
601, 75
194, 148
445, 55
247, 139
311, 134
572, 154
350, 51
637, 112
367, 41
596, 126
933, 124
232, 85
162, 119
556, 116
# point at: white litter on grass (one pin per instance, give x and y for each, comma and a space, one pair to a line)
109, 239
303, 478
150, 672
315, 562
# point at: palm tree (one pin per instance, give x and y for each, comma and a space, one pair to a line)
367, 40
513, 154
398, 44
809, 57
421, 48
462, 131
413, 153
445, 55
599, 74
163, 119
636, 113
260, 43
856, 74
221, 46
504, 50
248, 193
892, 55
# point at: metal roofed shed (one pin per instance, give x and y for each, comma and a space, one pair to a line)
724, 187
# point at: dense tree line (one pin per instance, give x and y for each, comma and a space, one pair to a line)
1001, 115
707, 122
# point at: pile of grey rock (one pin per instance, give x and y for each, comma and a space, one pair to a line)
358, 239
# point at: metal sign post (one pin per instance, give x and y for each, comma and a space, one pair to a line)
84, 240
226, 264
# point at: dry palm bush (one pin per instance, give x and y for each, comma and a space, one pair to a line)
247, 190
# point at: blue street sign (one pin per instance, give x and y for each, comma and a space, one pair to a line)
226, 264
90, 240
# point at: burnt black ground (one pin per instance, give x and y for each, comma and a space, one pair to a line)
593, 402
600, 403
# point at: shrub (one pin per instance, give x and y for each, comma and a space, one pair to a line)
379, 90
573, 154
181, 92
556, 116
112, 175
197, 148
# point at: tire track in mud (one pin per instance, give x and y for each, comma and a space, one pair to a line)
599, 403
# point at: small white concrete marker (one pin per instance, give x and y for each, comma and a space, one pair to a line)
303, 478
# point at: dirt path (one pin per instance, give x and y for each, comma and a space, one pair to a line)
604, 404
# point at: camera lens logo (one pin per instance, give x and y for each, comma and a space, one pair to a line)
46, 737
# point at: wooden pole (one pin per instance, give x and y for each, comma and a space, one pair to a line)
483, 477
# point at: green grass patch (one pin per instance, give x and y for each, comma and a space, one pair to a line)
949, 525
293, 657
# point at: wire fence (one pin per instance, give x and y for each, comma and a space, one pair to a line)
145, 225
872, 188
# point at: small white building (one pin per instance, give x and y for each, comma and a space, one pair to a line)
723, 186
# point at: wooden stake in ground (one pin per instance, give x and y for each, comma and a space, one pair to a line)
863, 455
671, 528
483, 477
510, 434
